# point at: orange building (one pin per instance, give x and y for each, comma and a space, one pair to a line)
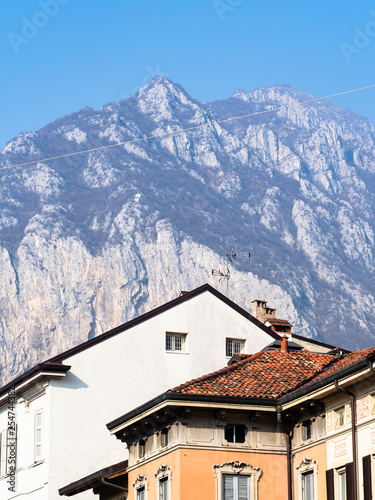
274, 425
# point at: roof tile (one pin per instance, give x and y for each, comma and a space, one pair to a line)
269, 374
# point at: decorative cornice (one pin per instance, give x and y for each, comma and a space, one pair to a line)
140, 481
163, 471
306, 463
236, 467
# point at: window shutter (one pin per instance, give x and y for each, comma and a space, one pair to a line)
350, 480
367, 483
38, 435
330, 485
243, 487
3, 453
228, 488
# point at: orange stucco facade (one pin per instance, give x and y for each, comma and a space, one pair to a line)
192, 475
316, 453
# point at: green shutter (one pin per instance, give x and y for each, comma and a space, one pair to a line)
367, 480
330, 485
350, 483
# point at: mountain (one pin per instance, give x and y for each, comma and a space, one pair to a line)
90, 241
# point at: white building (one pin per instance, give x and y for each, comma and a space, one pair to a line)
63, 405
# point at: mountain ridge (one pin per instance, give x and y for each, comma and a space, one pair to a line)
90, 241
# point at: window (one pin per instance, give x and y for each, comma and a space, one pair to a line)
141, 493
341, 477
236, 481
308, 485
140, 487
163, 476
235, 433
339, 417
38, 435
236, 487
175, 342
306, 429
141, 448
164, 438
340, 483
163, 489
234, 346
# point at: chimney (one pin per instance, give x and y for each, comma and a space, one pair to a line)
261, 312
284, 344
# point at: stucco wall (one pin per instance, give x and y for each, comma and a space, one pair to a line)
192, 474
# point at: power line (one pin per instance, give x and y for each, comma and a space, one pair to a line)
195, 127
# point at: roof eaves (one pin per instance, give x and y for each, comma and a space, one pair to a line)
45, 366
178, 396
93, 480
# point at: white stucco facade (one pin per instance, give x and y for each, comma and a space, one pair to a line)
110, 378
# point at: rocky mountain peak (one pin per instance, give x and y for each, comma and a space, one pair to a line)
89, 241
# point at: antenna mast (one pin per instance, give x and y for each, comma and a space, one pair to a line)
231, 257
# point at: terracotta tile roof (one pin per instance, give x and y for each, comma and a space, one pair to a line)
269, 374
346, 361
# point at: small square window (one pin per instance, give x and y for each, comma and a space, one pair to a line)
306, 429
175, 342
235, 433
234, 346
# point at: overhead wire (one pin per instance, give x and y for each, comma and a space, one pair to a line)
187, 129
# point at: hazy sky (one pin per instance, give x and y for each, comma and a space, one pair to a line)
58, 56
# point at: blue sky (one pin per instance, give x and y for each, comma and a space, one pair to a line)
58, 56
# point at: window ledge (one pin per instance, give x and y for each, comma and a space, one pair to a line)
35, 464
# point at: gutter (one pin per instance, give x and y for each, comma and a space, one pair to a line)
94, 480
106, 483
288, 434
354, 436
289, 464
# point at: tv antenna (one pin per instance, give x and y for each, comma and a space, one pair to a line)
231, 257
